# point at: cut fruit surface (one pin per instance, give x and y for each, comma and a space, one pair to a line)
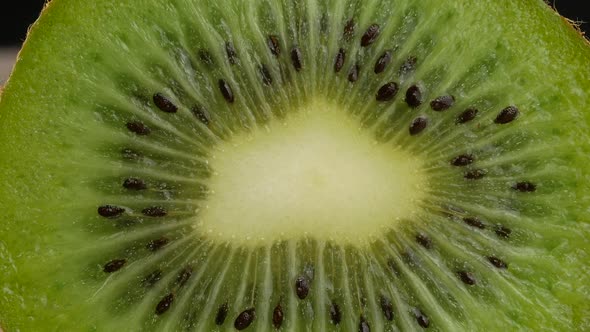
316, 165
315, 175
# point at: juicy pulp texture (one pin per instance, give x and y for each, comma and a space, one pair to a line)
315, 175
122, 117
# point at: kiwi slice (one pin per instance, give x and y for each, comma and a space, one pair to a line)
380, 165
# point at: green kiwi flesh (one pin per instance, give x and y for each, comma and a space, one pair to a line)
380, 165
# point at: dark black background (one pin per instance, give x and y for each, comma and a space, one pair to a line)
14, 21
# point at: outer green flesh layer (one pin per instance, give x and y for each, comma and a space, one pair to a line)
63, 121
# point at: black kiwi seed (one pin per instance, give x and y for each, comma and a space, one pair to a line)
114, 265
507, 115
152, 278
164, 104
364, 325
339, 61
138, 128
387, 308
154, 211
244, 319
221, 314
157, 244
387, 92
418, 125
370, 35
201, 114
266, 78
335, 314
475, 222
525, 187
206, 57
442, 103
226, 91
296, 58
424, 240
475, 174
232, 56
110, 211
277, 316
184, 275
408, 65
497, 262
349, 29
273, 45
382, 62
353, 74
467, 277
503, 231
414, 96
421, 318
467, 115
164, 304
463, 160
302, 287
134, 184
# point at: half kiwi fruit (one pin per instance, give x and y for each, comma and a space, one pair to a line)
317, 165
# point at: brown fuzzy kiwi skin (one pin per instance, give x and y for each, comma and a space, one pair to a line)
571, 23
31, 28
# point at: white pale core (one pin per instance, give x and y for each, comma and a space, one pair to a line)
316, 174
